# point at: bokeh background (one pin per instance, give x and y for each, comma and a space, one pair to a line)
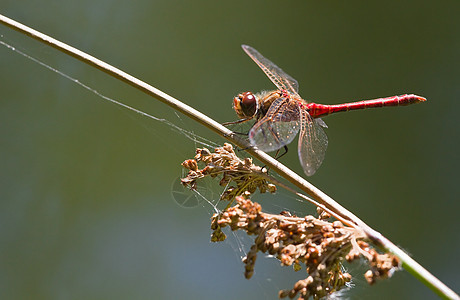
85, 193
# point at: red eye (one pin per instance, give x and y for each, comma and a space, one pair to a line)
248, 104
245, 105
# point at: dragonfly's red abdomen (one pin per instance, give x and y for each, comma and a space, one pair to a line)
318, 110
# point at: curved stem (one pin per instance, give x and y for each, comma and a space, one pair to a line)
408, 263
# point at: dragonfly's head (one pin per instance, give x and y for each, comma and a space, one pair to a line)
245, 105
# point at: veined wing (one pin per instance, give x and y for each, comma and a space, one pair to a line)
278, 127
312, 143
282, 80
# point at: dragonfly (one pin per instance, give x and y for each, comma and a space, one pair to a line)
281, 114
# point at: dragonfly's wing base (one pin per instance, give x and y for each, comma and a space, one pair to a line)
278, 128
312, 143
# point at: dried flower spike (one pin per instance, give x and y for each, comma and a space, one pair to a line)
246, 176
317, 243
320, 245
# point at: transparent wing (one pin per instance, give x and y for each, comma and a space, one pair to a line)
320, 122
282, 80
279, 126
312, 143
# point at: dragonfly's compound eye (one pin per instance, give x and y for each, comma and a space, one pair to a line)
245, 105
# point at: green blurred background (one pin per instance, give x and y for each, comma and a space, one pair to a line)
85, 193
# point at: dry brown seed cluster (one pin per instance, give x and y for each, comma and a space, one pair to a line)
382, 265
224, 161
318, 244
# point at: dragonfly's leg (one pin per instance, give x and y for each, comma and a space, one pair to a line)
285, 151
244, 149
241, 133
276, 157
237, 122
236, 132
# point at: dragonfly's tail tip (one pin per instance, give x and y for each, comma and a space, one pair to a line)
421, 99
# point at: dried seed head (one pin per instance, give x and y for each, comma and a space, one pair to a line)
337, 224
318, 244
323, 215
246, 176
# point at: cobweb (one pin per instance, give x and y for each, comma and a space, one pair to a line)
207, 196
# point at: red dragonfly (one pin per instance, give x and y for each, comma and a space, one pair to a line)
282, 113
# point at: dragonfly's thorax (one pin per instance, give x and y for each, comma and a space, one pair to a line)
265, 100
